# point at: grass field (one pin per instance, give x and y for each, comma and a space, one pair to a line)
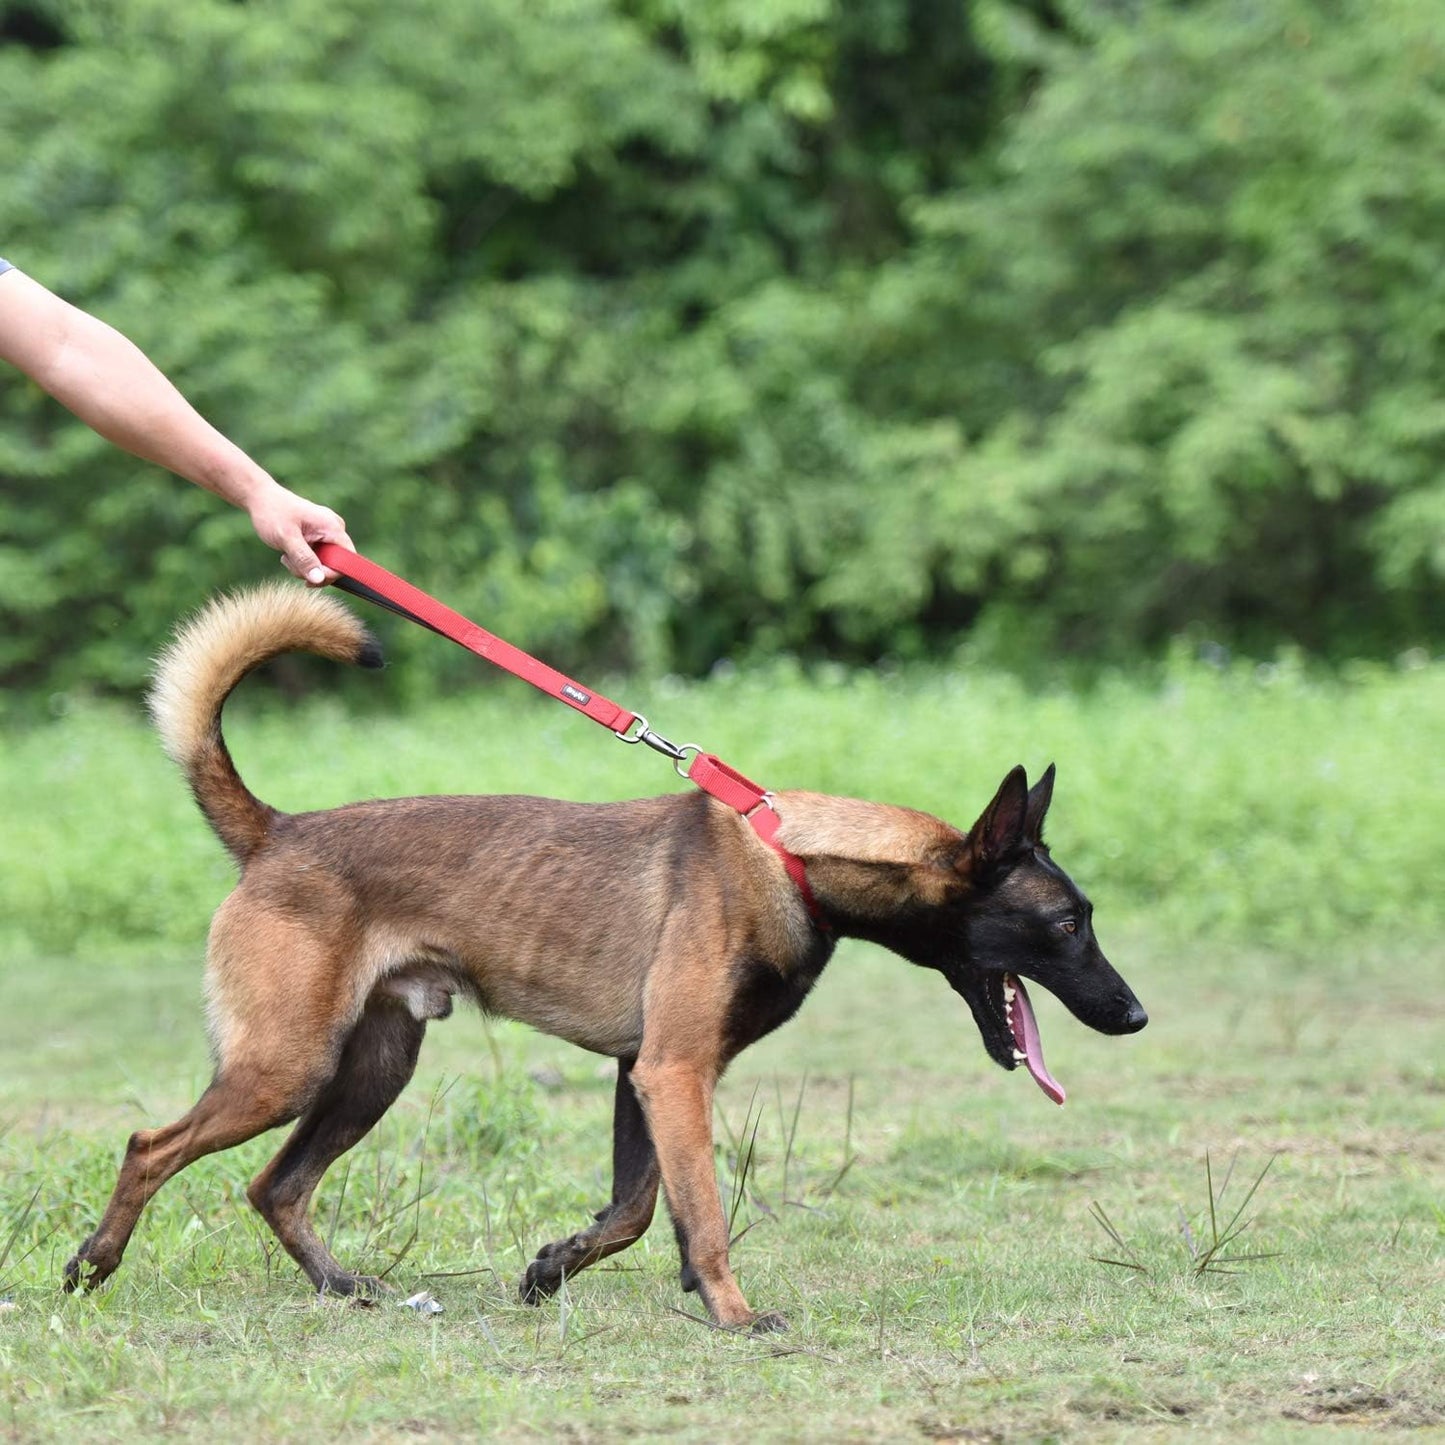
1263, 851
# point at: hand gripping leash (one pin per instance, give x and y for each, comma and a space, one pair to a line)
364, 578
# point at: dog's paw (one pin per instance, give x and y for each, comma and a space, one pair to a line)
359, 1289
84, 1273
769, 1322
542, 1280
79, 1275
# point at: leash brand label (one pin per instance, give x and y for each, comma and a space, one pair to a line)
575, 694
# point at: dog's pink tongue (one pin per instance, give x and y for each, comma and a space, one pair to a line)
1026, 1036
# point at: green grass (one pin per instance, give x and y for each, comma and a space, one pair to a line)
944, 1282
927, 1222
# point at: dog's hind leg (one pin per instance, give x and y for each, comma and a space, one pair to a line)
239, 1104
625, 1219
377, 1061
277, 1036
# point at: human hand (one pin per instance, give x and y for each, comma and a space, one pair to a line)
292, 525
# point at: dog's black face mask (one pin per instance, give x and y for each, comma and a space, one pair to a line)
1026, 919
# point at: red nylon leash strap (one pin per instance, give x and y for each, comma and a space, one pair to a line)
364, 578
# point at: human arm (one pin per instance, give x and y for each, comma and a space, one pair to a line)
113, 387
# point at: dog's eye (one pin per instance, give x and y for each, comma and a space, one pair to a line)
1069, 925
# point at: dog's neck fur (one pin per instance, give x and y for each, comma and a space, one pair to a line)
865, 860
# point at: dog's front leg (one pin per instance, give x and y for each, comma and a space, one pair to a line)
625, 1219
677, 1099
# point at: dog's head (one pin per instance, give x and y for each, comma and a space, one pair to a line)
1020, 916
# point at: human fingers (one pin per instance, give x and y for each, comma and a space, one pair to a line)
323, 525
292, 525
298, 559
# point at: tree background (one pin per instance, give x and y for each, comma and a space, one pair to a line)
652, 333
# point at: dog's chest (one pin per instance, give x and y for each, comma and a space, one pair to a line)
765, 996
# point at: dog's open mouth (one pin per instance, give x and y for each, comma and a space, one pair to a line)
1005, 1018
1018, 1014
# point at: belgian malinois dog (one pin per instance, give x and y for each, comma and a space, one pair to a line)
663, 933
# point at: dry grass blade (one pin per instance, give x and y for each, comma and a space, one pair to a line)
1120, 1243
849, 1157
1120, 1263
790, 1128
14, 1234
745, 1156
698, 1319
1210, 1260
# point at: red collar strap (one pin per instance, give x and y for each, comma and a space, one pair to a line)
362, 577
729, 786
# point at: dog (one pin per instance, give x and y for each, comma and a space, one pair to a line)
662, 933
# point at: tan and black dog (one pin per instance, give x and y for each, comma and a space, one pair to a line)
663, 933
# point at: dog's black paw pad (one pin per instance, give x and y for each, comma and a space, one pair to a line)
540, 1281
770, 1322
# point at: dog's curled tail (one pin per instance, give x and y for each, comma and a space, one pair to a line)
209, 655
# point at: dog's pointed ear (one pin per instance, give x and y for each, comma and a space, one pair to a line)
1040, 796
999, 832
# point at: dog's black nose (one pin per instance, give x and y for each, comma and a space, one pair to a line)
1135, 1019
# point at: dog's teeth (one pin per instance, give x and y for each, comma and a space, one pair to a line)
1020, 1057
1008, 993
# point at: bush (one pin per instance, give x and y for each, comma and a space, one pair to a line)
654, 334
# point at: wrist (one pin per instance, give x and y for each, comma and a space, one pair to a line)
245, 485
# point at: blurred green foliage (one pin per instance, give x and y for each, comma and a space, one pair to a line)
652, 332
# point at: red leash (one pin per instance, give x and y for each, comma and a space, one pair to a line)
364, 578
